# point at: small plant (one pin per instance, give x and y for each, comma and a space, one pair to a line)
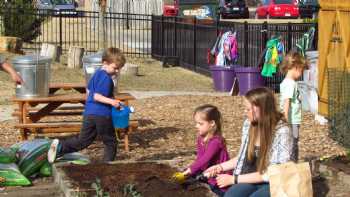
348, 153
130, 191
98, 188
310, 20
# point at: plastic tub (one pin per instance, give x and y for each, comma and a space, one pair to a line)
223, 77
248, 78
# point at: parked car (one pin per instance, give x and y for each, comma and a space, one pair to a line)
170, 8
277, 9
308, 8
233, 9
65, 7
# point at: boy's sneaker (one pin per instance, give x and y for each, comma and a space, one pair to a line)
52, 153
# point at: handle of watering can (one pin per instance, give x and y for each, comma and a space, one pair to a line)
122, 105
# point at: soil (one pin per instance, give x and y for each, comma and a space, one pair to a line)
340, 163
147, 179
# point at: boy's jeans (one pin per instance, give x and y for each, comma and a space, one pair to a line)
93, 125
295, 132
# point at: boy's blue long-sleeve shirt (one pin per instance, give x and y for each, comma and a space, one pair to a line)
101, 82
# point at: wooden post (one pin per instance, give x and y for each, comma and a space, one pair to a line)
102, 24
75, 56
50, 50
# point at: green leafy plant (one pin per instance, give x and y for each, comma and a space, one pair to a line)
98, 188
130, 191
20, 18
310, 20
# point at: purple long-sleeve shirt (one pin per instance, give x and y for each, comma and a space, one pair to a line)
212, 153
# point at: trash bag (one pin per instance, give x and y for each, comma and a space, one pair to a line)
12, 176
74, 158
7, 155
32, 155
46, 169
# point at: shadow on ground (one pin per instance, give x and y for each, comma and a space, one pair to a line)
146, 136
320, 187
145, 122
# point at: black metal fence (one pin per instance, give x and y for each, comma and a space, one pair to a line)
129, 32
189, 40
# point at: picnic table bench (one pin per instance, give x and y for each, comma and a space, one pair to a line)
31, 110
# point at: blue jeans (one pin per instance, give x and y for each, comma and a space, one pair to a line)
217, 190
248, 190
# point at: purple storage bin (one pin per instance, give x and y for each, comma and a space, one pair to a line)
223, 77
248, 78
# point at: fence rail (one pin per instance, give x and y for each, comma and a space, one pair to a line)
189, 40
129, 32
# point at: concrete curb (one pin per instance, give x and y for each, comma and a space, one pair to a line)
63, 183
149, 94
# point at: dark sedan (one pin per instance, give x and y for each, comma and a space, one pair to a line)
233, 9
63, 7
308, 8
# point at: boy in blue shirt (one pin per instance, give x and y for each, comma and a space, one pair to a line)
97, 115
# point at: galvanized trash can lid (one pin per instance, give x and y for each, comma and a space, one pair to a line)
93, 58
30, 60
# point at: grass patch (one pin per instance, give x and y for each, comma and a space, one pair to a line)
152, 77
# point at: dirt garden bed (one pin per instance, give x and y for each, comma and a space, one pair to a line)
339, 163
147, 179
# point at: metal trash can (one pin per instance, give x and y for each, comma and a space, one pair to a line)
93, 62
35, 72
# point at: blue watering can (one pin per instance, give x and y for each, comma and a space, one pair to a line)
120, 117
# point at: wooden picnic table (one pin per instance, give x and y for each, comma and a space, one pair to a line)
31, 110
79, 87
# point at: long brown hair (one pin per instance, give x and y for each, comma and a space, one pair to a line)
264, 125
211, 113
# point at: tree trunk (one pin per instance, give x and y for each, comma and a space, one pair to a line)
50, 50
75, 56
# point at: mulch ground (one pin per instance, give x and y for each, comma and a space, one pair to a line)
166, 130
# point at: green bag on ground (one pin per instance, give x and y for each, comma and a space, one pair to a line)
7, 155
46, 169
32, 155
74, 158
12, 176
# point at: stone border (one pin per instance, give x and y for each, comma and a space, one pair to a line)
62, 181
60, 178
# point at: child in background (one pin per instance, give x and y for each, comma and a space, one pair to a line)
293, 67
97, 114
211, 147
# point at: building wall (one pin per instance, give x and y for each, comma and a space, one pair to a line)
128, 6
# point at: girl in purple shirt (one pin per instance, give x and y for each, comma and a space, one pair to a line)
211, 147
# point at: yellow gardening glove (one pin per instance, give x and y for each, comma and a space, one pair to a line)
179, 177
2, 180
